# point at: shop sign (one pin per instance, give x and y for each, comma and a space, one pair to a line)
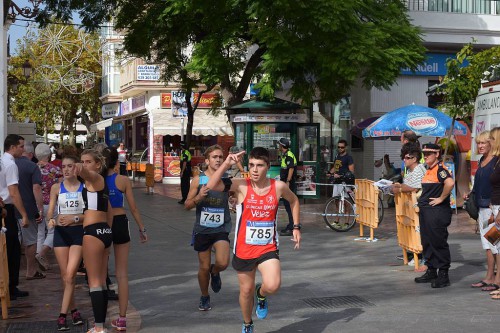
148, 73
434, 65
110, 110
138, 103
269, 118
125, 107
166, 100
205, 101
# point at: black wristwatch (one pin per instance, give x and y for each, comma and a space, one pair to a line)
297, 226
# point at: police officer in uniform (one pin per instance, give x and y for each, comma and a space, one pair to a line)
288, 173
185, 171
435, 217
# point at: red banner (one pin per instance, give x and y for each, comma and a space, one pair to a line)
205, 102
166, 100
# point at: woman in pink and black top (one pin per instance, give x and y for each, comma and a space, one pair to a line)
51, 174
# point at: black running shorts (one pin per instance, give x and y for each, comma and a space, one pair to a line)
248, 265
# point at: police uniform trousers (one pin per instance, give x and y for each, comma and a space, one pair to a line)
13, 247
293, 188
185, 182
434, 222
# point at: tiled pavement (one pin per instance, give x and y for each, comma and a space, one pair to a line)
45, 294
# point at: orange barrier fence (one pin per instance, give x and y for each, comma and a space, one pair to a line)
366, 198
408, 225
4, 274
136, 166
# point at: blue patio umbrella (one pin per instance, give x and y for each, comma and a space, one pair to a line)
422, 120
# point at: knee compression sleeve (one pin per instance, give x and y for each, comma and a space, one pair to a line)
99, 304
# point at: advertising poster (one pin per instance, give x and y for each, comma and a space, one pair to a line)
179, 105
158, 157
453, 195
171, 166
306, 180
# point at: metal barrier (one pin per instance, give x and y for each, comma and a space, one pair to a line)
408, 225
366, 199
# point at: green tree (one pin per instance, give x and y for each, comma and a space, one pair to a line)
317, 48
462, 82
58, 54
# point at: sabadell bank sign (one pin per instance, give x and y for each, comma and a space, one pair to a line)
434, 65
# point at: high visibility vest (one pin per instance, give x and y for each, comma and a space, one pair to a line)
283, 159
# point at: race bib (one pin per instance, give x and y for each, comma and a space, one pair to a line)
260, 233
212, 217
71, 203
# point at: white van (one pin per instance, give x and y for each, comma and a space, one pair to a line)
486, 116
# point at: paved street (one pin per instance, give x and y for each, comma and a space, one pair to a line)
361, 286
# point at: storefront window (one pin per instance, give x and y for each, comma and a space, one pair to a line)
268, 135
240, 136
335, 124
308, 148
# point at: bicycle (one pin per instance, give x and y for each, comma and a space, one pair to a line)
339, 213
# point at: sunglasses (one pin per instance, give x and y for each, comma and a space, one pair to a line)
428, 153
340, 147
407, 157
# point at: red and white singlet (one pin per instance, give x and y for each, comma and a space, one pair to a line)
256, 232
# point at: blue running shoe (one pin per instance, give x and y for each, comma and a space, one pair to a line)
215, 281
261, 307
204, 303
247, 328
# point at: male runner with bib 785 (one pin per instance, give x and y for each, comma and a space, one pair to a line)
256, 238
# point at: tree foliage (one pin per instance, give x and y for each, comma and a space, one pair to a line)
42, 97
462, 82
318, 48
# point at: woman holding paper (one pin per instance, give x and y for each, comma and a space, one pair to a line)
494, 139
482, 190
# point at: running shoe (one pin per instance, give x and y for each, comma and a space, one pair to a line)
42, 262
120, 324
61, 324
247, 328
204, 303
261, 308
215, 280
77, 318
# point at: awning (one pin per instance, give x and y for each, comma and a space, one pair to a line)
165, 124
100, 126
264, 104
130, 115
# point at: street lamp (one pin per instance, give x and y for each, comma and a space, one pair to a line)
27, 69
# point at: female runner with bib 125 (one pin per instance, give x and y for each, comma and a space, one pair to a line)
68, 236
97, 235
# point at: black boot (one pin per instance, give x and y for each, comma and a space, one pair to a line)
443, 280
429, 276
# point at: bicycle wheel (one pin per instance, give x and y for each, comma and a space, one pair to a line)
380, 210
339, 214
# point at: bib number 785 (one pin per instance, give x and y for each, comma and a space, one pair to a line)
259, 233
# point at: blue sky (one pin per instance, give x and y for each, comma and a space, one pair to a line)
19, 28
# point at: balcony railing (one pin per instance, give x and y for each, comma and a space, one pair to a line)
491, 7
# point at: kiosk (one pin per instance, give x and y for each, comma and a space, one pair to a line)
259, 123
